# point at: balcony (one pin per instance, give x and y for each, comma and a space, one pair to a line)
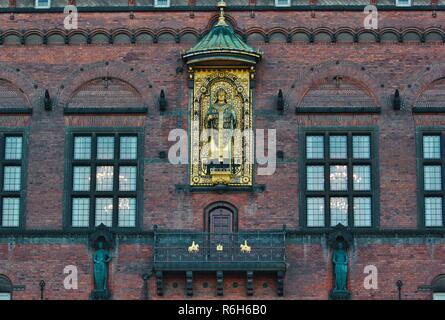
248, 252
197, 251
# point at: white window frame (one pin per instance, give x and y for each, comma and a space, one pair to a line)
277, 4
37, 6
398, 4
157, 5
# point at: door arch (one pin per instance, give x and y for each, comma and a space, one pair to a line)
221, 217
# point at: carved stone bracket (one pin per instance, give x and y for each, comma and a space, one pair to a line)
280, 283
159, 283
189, 283
344, 295
219, 283
100, 295
249, 284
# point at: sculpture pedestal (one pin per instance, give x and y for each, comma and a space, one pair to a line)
100, 295
339, 295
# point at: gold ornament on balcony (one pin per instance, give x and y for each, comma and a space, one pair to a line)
194, 247
219, 247
245, 248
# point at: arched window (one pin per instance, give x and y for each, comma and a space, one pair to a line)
438, 287
221, 217
5, 288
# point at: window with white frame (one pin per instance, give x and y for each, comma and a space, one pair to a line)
403, 3
43, 4
162, 3
282, 3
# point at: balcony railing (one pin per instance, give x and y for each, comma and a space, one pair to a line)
197, 251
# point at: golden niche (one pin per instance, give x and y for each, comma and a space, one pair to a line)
221, 127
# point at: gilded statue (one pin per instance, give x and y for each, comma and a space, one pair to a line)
222, 120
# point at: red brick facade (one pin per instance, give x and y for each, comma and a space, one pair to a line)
404, 54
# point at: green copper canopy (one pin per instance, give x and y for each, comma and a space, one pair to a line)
222, 43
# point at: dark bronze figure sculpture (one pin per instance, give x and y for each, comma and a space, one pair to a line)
340, 265
101, 259
340, 260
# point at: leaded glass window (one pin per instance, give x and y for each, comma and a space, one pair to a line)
339, 182
104, 180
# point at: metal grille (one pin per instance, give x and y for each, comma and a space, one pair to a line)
220, 251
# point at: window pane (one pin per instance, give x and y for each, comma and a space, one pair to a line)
439, 296
315, 212
361, 147
162, 3
433, 212
362, 212
81, 212
339, 178
433, 178
282, 3
105, 148
315, 178
339, 211
5, 296
127, 212
82, 148
315, 147
104, 178
10, 212
11, 179
104, 211
42, 3
81, 178
431, 147
128, 148
362, 178
338, 147
127, 178
13, 148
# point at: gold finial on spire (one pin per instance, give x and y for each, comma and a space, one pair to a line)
222, 19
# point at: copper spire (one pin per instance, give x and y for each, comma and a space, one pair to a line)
222, 19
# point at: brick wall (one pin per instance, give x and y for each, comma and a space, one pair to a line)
295, 67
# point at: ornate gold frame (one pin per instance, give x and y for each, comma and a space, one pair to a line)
236, 81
